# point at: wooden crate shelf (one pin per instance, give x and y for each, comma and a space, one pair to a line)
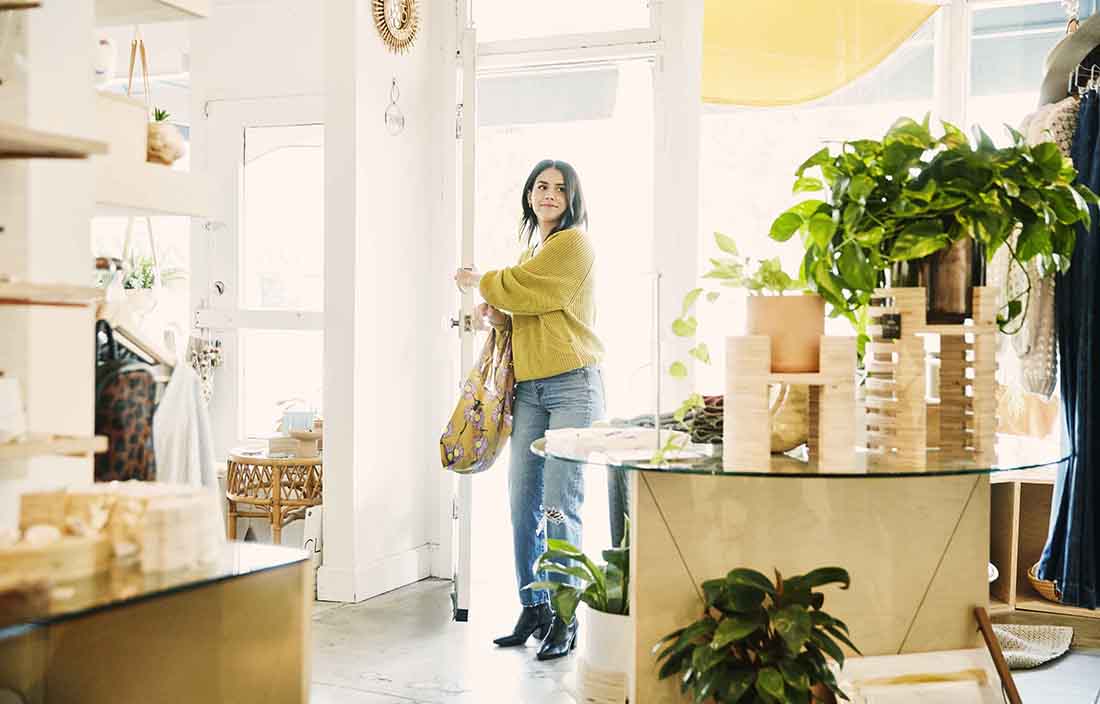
126, 12
124, 188
18, 293
1036, 603
19, 4
19, 142
38, 445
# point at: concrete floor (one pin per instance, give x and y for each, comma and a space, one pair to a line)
403, 648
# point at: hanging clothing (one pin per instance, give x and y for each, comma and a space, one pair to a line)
1034, 343
1072, 554
182, 434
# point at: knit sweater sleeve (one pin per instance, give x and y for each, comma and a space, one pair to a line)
545, 283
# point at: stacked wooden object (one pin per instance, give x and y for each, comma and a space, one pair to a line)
897, 410
76, 533
747, 417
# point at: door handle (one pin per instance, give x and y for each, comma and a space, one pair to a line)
466, 322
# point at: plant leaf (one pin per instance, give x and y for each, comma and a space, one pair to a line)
689, 300
726, 243
701, 352
685, 327
795, 674
740, 683
750, 578
735, 627
822, 228
827, 575
805, 184
704, 658
678, 370
793, 624
769, 683
785, 226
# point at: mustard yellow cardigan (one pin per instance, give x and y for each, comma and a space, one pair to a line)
551, 297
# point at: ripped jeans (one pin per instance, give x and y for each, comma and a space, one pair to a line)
546, 495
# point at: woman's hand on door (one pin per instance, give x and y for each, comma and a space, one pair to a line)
467, 279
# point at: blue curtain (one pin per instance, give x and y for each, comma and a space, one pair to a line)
1072, 553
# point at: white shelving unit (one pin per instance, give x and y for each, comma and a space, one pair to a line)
19, 293
122, 12
124, 188
62, 445
18, 142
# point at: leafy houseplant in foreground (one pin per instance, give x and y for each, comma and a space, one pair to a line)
758, 641
605, 588
912, 195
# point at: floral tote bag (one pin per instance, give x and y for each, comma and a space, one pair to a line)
482, 421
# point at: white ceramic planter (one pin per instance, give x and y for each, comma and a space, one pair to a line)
606, 665
123, 124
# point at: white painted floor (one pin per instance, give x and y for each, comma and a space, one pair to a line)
402, 648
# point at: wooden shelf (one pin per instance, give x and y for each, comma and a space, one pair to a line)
124, 188
1040, 475
124, 12
62, 445
1030, 602
18, 142
19, 4
48, 294
998, 607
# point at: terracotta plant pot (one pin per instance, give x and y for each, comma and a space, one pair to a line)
795, 325
821, 693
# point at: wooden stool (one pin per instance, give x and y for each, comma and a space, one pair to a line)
277, 489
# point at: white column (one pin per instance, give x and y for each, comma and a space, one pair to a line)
678, 109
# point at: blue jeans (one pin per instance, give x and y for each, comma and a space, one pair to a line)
547, 495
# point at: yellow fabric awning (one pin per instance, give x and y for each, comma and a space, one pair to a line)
784, 52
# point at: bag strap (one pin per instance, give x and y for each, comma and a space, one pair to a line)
112, 346
137, 48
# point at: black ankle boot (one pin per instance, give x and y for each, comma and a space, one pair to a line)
561, 639
535, 620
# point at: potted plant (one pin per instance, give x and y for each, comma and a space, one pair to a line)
139, 282
605, 592
927, 209
165, 141
760, 641
795, 324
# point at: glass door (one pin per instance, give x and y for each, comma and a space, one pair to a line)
264, 294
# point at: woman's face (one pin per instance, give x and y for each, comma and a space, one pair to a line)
548, 197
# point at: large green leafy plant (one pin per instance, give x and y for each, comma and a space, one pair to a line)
604, 587
913, 193
758, 641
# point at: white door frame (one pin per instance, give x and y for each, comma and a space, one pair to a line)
222, 313
493, 59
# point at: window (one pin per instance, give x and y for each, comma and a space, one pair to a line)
279, 369
749, 156
1008, 46
283, 218
507, 19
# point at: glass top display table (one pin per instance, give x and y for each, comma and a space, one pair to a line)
915, 541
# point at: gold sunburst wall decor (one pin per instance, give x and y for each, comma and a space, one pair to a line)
397, 22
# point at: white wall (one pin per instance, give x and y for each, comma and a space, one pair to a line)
388, 248
385, 276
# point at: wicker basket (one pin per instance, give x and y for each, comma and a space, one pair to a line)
1047, 589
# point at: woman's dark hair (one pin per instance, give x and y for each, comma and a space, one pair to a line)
575, 212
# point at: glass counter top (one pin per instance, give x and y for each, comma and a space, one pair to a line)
122, 586
1010, 454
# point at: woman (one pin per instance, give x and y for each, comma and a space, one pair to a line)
549, 302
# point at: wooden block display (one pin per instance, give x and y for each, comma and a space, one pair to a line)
897, 415
747, 421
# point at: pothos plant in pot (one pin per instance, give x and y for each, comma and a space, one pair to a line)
794, 323
759, 641
603, 588
917, 209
